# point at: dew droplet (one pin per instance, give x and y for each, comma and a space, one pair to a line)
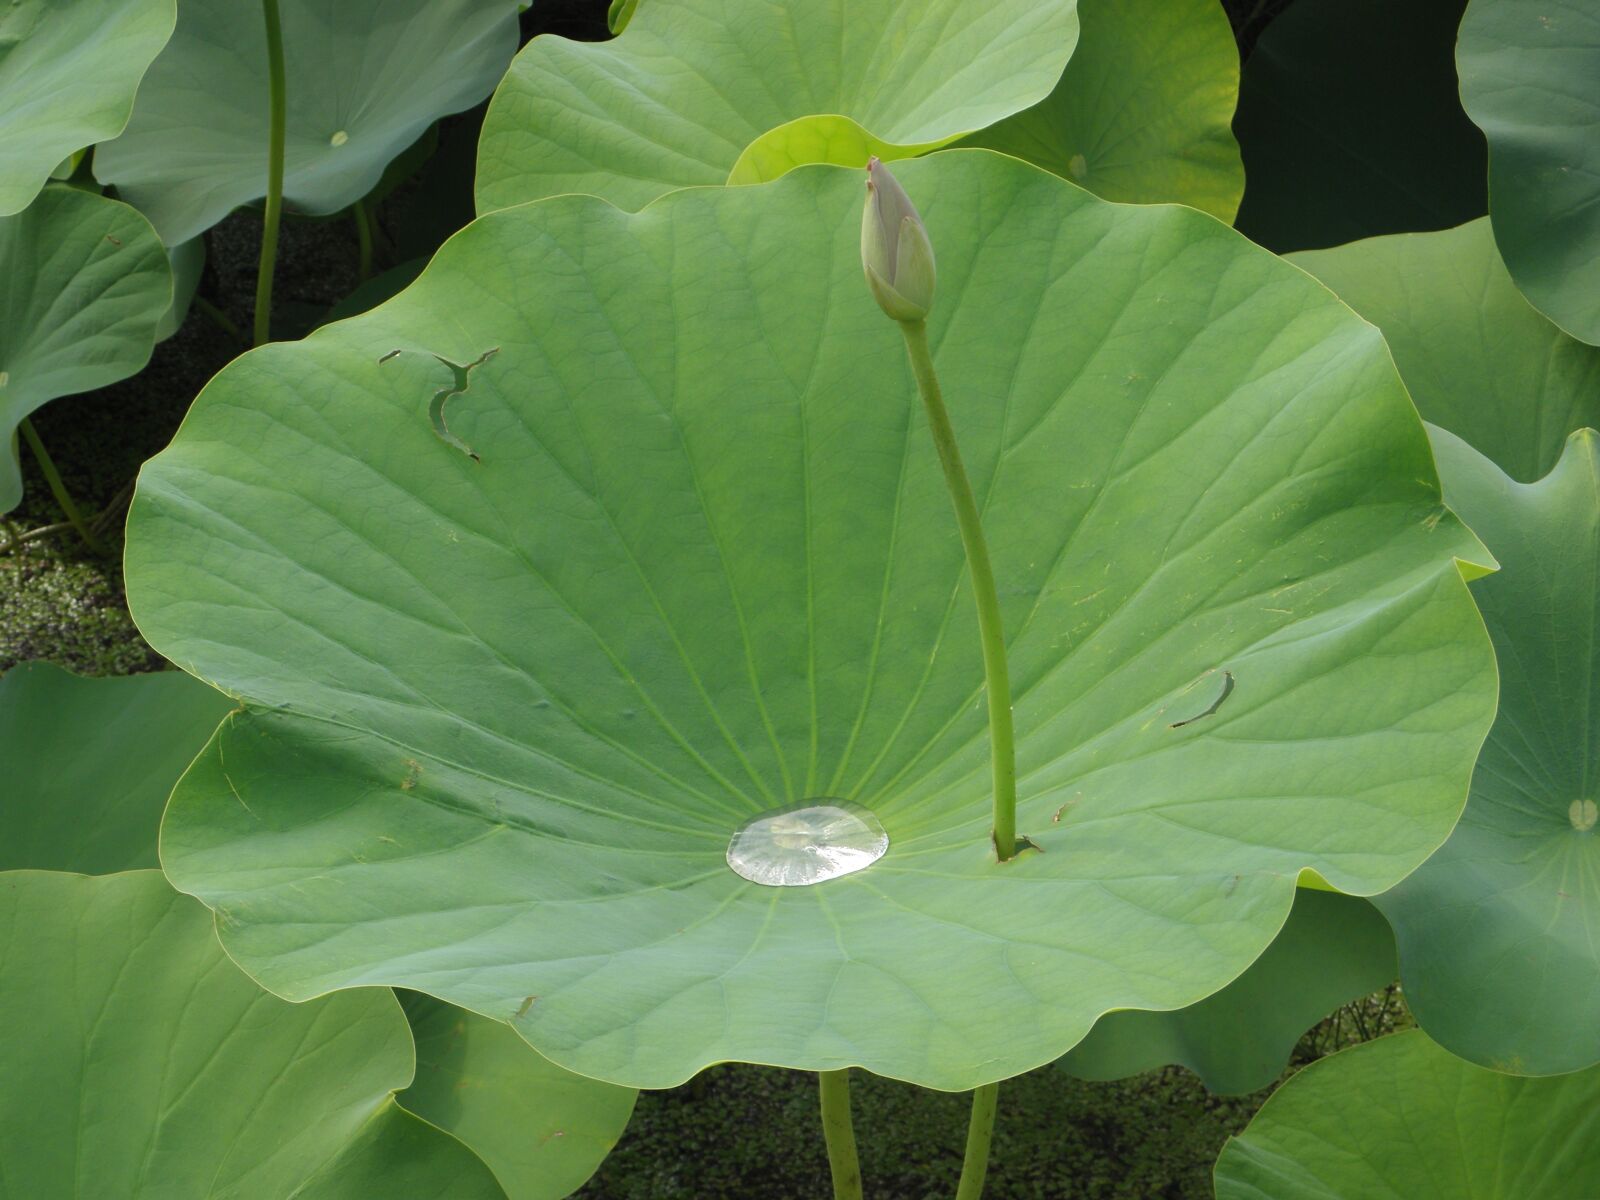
339, 138
1583, 814
807, 843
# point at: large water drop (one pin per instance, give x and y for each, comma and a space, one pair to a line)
807, 843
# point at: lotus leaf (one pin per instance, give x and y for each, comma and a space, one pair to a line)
542, 1130
68, 70
1350, 125
65, 738
1144, 110
365, 79
1497, 931
188, 263
613, 531
154, 1067
86, 283
1332, 950
1530, 78
678, 98
1477, 358
1400, 1119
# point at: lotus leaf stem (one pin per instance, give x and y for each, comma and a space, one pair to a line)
58, 488
363, 216
834, 1088
980, 1131
1002, 739
278, 116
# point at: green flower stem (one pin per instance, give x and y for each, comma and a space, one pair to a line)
279, 117
363, 216
1002, 740
975, 1166
57, 488
834, 1088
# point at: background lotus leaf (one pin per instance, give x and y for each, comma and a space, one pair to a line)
86, 283
1498, 945
1530, 78
365, 79
1143, 113
89, 764
1351, 126
1332, 950
677, 98
513, 675
1400, 1119
542, 1130
1478, 359
68, 70
153, 1066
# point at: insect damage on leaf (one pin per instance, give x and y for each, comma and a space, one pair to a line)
1227, 690
462, 373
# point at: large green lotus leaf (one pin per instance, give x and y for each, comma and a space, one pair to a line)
88, 764
1499, 949
542, 1130
85, 283
678, 97
140, 1062
1477, 358
365, 79
505, 708
1143, 112
1530, 78
1333, 949
68, 70
1400, 1119
1351, 126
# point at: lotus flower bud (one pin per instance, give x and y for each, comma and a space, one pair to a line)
895, 250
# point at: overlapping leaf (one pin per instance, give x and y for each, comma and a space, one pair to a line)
1477, 358
521, 643
1143, 113
1351, 126
680, 95
1530, 78
542, 1130
365, 79
1399, 1119
88, 764
68, 70
1332, 950
85, 284
153, 1066
1497, 931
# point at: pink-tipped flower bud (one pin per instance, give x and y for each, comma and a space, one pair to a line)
895, 251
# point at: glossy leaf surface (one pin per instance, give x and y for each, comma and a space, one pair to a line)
89, 764
1400, 1119
1333, 949
1478, 359
518, 661
542, 1130
154, 1067
85, 284
1530, 78
365, 79
1143, 113
1499, 949
677, 98
68, 70
1351, 126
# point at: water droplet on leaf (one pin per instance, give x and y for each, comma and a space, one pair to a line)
807, 843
